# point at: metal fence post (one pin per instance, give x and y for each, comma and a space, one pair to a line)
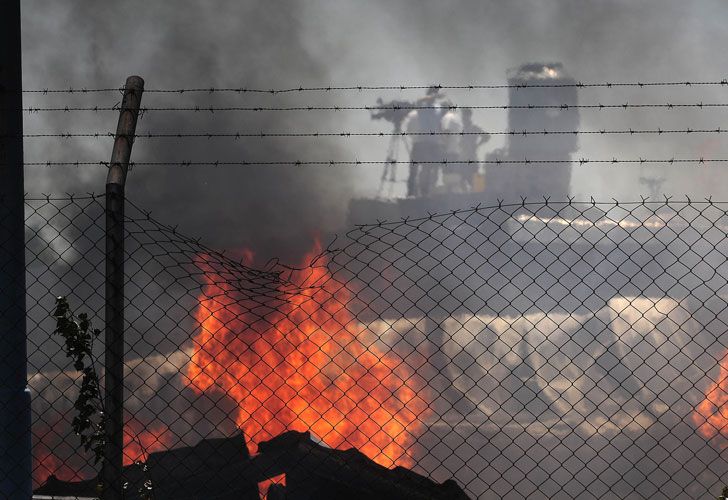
114, 309
15, 461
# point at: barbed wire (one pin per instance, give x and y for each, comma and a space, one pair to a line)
243, 163
241, 90
450, 107
239, 135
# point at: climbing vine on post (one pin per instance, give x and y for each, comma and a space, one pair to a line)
79, 336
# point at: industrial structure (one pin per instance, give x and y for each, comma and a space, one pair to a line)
451, 185
547, 109
499, 242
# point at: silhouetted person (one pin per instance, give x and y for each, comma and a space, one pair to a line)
425, 148
472, 139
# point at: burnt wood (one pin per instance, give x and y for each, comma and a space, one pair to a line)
221, 469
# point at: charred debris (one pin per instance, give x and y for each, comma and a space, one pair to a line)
223, 469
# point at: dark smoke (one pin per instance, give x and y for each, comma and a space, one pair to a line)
273, 210
276, 210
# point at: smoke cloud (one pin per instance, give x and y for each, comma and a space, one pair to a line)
277, 210
271, 209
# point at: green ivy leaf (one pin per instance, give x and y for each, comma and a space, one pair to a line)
78, 337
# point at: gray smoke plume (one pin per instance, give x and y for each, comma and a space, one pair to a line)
188, 44
277, 210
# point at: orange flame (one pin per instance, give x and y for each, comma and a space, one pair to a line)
306, 366
140, 441
46, 464
711, 415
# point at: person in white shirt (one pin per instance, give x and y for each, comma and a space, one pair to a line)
423, 175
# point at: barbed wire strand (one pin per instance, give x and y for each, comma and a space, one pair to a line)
451, 107
241, 90
239, 135
525, 161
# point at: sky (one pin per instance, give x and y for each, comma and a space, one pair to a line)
279, 210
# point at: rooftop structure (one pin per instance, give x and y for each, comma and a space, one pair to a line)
511, 181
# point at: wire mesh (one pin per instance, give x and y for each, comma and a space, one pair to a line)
65, 257
555, 350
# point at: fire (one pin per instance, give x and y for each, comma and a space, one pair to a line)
46, 464
711, 415
306, 366
140, 441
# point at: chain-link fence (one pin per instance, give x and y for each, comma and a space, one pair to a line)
533, 350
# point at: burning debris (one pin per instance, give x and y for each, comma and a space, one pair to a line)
222, 469
307, 364
441, 382
711, 415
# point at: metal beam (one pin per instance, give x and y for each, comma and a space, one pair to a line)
15, 459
